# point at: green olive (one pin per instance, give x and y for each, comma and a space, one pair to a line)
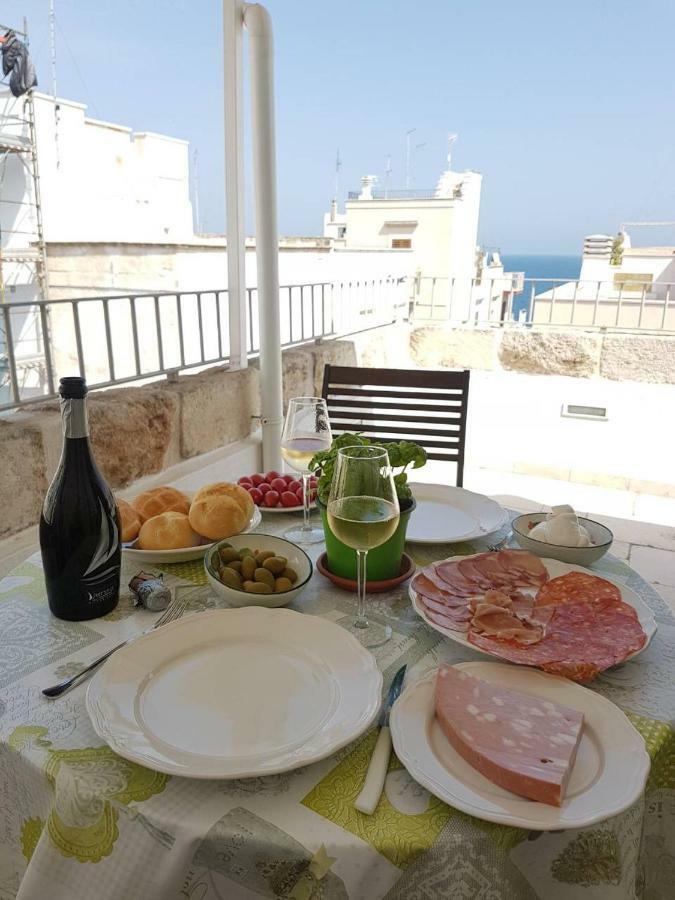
245, 551
257, 587
228, 554
248, 567
265, 576
275, 564
230, 577
281, 585
262, 555
291, 574
235, 565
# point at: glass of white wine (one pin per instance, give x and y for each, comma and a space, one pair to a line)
363, 510
306, 432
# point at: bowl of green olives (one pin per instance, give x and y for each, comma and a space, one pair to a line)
257, 570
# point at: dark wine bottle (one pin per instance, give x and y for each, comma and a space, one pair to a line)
79, 526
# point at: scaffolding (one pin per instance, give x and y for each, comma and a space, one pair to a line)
23, 256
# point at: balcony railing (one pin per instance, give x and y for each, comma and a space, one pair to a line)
502, 300
134, 337
410, 194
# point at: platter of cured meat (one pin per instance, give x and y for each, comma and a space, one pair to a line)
519, 747
534, 612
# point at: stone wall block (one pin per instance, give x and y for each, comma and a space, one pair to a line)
550, 352
638, 357
442, 347
23, 477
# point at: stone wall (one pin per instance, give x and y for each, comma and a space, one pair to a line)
547, 351
139, 431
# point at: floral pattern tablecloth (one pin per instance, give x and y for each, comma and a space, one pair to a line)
78, 822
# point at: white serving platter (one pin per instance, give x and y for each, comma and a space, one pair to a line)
446, 514
609, 773
235, 693
554, 568
185, 554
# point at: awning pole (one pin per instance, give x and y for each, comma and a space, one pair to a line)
259, 26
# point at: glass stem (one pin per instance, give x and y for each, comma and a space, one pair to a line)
305, 501
361, 620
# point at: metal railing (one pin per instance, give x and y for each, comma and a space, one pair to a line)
115, 340
407, 194
502, 300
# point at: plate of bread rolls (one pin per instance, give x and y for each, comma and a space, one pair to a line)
164, 524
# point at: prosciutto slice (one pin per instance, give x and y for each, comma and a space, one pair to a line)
495, 616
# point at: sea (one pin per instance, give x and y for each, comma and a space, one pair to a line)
540, 267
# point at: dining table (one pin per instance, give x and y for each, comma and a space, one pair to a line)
78, 822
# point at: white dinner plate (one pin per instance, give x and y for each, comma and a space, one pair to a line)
185, 554
446, 514
609, 774
286, 509
554, 568
235, 693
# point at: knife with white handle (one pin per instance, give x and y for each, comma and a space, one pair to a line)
379, 761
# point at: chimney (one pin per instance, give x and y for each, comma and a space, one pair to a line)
367, 183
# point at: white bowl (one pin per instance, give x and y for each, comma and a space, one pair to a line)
601, 536
297, 559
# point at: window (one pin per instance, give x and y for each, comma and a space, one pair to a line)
401, 243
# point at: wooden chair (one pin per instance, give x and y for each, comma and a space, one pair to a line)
402, 404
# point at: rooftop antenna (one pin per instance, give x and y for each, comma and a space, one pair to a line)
407, 156
195, 189
338, 166
387, 175
52, 55
416, 148
451, 140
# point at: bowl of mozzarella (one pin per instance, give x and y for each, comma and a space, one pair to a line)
561, 534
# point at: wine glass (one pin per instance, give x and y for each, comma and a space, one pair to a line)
363, 510
306, 432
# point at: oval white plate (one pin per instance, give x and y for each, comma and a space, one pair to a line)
554, 568
285, 509
445, 514
186, 553
609, 773
235, 693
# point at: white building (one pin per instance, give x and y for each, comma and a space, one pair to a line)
437, 232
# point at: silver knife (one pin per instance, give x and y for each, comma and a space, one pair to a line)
379, 761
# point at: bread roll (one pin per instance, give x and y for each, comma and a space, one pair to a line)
216, 516
130, 521
160, 500
225, 489
167, 531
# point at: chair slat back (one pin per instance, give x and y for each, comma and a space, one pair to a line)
429, 407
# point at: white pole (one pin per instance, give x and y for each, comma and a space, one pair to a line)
233, 23
259, 27
407, 156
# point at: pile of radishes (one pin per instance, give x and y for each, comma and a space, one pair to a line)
274, 490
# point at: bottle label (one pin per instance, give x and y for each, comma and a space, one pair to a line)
74, 415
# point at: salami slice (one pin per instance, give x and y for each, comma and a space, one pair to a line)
581, 640
577, 587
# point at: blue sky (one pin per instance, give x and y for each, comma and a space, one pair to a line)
566, 108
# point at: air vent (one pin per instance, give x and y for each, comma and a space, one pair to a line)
576, 411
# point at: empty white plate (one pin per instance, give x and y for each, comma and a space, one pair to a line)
235, 693
445, 514
609, 773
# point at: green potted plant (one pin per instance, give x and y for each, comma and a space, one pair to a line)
384, 562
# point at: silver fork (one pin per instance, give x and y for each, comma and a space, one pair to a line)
173, 611
501, 544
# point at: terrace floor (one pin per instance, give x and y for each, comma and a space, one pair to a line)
643, 524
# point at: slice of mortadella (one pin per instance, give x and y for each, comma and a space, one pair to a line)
521, 742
